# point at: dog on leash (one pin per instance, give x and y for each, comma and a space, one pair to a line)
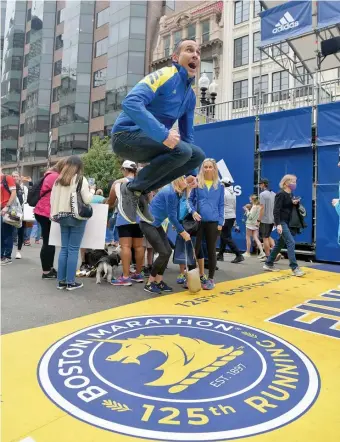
106, 265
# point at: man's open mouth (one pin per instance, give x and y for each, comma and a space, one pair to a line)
192, 65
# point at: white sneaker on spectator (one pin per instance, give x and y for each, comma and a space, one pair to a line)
246, 255
298, 272
261, 255
18, 255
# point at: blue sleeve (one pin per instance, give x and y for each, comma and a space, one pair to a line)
192, 201
186, 123
134, 105
221, 207
173, 203
337, 208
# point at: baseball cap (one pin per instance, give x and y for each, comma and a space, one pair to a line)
129, 165
264, 181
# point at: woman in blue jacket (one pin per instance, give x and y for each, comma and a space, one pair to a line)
207, 205
164, 205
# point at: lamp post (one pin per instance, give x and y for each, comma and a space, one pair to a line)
213, 94
203, 84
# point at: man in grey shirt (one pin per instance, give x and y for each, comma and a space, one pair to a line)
266, 218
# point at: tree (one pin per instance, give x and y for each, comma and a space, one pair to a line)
102, 164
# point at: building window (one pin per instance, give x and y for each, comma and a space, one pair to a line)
66, 114
26, 60
205, 31
93, 135
167, 46
192, 32
23, 106
241, 11
59, 42
22, 129
9, 132
28, 36
280, 86
98, 108
56, 94
177, 37
102, 17
256, 50
29, 14
14, 85
16, 63
241, 51
24, 83
60, 16
18, 40
99, 78
55, 120
257, 8
57, 67
303, 85
240, 94
101, 47
264, 89
282, 47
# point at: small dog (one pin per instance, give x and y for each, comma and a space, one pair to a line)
106, 264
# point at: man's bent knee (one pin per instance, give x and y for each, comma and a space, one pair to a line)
198, 154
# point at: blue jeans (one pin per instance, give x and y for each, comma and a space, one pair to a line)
285, 239
6, 240
72, 232
27, 233
165, 165
36, 231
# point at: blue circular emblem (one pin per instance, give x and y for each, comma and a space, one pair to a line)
179, 378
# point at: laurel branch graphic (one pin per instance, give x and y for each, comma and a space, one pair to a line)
115, 406
250, 335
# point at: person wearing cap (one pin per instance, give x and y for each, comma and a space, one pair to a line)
144, 132
130, 234
266, 217
229, 222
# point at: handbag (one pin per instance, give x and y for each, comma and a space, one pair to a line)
179, 256
189, 224
79, 209
14, 215
193, 276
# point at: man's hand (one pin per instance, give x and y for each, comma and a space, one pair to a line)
279, 229
185, 235
219, 228
196, 216
191, 181
335, 201
173, 139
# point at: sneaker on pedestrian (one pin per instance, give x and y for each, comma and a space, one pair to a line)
164, 287
146, 270
5, 261
264, 258
37, 241
27, 243
237, 259
180, 278
50, 275
298, 272
127, 202
122, 281
262, 255
203, 278
279, 256
143, 210
269, 268
18, 255
137, 277
246, 255
74, 286
61, 285
220, 257
208, 285
152, 287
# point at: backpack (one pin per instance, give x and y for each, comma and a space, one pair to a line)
20, 194
33, 195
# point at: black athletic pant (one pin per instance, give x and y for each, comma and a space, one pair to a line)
47, 252
226, 238
209, 230
160, 244
21, 236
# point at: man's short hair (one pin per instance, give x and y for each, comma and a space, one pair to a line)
177, 48
264, 181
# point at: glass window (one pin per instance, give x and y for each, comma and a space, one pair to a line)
14, 85
192, 32
304, 82
257, 8
103, 17
43, 124
205, 26
60, 16
55, 120
59, 42
26, 60
22, 129
264, 89
29, 14
240, 94
56, 94
66, 114
24, 83
23, 106
284, 47
16, 63
241, 11
57, 67
241, 51
33, 74
256, 50
177, 37
170, 4
167, 46
280, 84
98, 108
99, 78
101, 47
28, 36
19, 39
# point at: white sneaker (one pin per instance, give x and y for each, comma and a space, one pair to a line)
263, 258
298, 272
18, 255
270, 268
246, 255
262, 255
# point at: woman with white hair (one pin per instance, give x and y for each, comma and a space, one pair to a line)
283, 208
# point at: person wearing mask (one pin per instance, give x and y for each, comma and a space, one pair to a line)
252, 225
283, 207
22, 197
164, 205
130, 234
266, 217
229, 222
207, 206
42, 212
143, 131
71, 229
8, 195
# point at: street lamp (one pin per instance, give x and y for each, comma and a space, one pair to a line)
213, 93
203, 84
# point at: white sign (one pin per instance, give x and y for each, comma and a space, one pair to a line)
95, 230
28, 213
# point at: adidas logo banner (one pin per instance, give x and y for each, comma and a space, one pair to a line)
284, 21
